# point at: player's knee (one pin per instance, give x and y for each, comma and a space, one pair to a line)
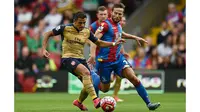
86, 72
105, 90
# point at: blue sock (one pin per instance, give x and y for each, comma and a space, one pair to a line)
96, 81
143, 93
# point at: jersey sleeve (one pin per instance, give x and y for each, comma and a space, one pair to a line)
103, 28
58, 30
92, 29
92, 37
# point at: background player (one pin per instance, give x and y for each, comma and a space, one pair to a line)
102, 15
74, 36
110, 59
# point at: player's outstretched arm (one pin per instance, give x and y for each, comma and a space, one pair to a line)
129, 36
91, 59
109, 44
47, 35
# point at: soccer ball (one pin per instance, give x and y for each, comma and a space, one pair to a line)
108, 104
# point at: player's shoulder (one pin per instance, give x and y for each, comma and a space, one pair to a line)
86, 29
104, 24
94, 23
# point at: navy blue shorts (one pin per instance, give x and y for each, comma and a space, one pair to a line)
106, 68
71, 63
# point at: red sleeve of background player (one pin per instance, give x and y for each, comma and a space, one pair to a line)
91, 29
148, 63
103, 28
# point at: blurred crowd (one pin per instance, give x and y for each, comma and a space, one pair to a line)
34, 17
169, 52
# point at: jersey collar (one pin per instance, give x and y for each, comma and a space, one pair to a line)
75, 28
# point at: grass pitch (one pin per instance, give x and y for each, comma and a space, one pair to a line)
62, 102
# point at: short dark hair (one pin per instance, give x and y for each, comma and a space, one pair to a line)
101, 8
79, 14
119, 5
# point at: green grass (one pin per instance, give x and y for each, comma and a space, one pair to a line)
62, 102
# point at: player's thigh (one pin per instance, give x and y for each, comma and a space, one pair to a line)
104, 71
75, 66
130, 75
82, 70
120, 65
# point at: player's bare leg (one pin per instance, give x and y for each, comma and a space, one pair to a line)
83, 95
104, 87
117, 88
87, 83
130, 75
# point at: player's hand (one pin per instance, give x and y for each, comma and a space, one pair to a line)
45, 53
91, 60
120, 41
126, 55
141, 39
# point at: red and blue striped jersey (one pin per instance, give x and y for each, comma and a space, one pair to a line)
111, 32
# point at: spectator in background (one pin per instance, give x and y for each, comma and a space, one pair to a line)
67, 17
163, 34
52, 19
19, 41
41, 64
23, 35
165, 48
149, 46
173, 16
37, 16
166, 64
23, 70
175, 35
43, 6
182, 46
34, 43
181, 27
24, 63
178, 54
180, 62
155, 58
141, 61
24, 16
41, 27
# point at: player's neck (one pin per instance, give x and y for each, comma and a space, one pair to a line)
99, 21
76, 27
113, 21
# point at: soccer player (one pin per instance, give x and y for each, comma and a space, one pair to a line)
117, 78
102, 15
74, 36
110, 59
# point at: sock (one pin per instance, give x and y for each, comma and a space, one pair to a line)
83, 95
142, 92
89, 86
117, 86
96, 82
